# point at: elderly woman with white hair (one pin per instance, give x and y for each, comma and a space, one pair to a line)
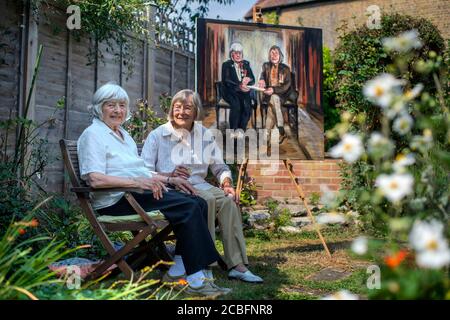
183, 148
109, 158
236, 76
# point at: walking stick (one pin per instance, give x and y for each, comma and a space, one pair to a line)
301, 194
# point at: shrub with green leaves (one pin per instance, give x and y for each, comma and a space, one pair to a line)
360, 56
404, 169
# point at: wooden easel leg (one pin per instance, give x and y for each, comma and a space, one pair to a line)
301, 194
240, 182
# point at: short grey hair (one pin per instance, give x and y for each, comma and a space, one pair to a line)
185, 96
236, 47
107, 92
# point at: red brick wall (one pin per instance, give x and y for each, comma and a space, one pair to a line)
276, 182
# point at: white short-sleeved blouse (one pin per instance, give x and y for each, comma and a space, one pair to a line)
101, 150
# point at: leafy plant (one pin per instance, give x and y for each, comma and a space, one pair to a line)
145, 119
24, 269
248, 192
282, 218
360, 56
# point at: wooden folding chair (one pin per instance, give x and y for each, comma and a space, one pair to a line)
150, 229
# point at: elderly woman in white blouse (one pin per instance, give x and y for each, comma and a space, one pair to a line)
109, 158
183, 148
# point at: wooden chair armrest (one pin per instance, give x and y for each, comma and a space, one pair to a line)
90, 189
137, 207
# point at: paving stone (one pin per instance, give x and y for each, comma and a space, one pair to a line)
329, 274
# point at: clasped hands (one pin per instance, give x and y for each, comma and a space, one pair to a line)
183, 173
244, 83
262, 84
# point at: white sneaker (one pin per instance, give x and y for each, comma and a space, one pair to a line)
246, 276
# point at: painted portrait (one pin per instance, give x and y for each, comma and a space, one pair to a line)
260, 76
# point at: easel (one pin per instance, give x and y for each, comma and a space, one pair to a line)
301, 194
241, 176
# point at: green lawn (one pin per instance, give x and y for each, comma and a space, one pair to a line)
285, 262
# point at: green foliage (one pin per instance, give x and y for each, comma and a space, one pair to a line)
331, 113
397, 177
24, 155
145, 119
248, 192
22, 268
360, 56
271, 205
271, 18
314, 198
282, 218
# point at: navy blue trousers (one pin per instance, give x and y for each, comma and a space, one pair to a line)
188, 216
240, 109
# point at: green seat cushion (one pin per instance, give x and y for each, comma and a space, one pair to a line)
155, 215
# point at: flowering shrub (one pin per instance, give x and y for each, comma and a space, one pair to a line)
145, 119
407, 182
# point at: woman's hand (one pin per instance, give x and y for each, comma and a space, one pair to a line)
183, 185
229, 191
261, 83
181, 172
153, 184
268, 91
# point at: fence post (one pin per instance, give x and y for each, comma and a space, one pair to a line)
151, 60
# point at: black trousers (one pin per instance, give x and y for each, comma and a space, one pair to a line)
188, 216
240, 111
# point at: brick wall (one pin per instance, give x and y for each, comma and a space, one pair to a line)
328, 15
274, 181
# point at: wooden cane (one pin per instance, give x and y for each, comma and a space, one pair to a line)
301, 194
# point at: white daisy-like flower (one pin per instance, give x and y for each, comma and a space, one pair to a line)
383, 89
423, 142
330, 217
396, 108
359, 245
404, 42
350, 148
403, 124
402, 161
379, 144
328, 197
414, 92
341, 295
395, 186
431, 247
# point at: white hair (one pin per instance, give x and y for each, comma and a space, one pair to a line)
107, 92
237, 47
185, 96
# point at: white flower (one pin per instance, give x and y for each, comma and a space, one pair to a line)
395, 186
328, 197
404, 42
350, 148
382, 89
414, 92
330, 217
402, 161
359, 245
379, 144
424, 142
341, 295
397, 107
431, 247
403, 124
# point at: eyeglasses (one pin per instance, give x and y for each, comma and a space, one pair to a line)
111, 105
179, 107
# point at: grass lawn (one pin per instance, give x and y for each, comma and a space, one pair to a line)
289, 265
